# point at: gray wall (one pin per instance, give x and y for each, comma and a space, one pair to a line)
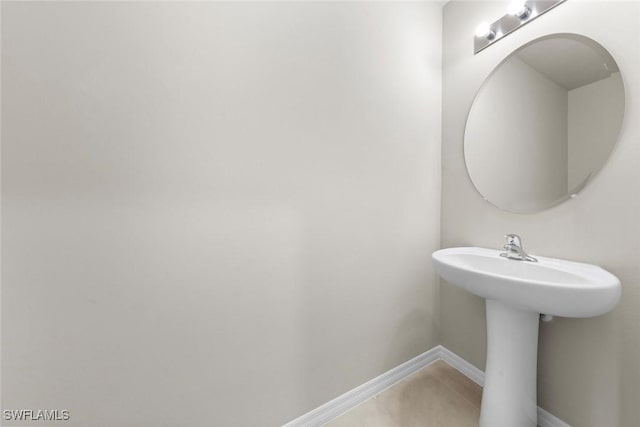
588, 368
215, 214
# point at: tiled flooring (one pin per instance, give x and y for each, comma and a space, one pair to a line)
436, 396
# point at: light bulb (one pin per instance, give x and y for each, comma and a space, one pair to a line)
484, 30
519, 9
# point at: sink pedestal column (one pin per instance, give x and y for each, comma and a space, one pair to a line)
509, 396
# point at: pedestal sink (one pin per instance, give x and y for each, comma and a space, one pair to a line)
516, 293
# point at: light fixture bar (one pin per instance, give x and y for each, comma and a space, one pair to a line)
518, 16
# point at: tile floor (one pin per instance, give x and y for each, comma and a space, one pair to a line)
436, 396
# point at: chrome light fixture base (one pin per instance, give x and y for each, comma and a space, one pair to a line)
509, 23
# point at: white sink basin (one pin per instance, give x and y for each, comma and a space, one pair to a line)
516, 292
550, 286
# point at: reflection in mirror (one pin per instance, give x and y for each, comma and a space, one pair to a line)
544, 123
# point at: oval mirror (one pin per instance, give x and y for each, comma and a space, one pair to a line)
544, 123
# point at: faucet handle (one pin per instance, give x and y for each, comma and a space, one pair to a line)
514, 249
513, 240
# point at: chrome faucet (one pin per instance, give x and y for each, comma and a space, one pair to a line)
514, 249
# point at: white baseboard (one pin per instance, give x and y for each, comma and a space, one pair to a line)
546, 419
366, 391
349, 400
469, 370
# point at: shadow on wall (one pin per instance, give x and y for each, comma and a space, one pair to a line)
603, 410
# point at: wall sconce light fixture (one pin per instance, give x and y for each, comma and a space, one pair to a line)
519, 9
483, 30
519, 13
